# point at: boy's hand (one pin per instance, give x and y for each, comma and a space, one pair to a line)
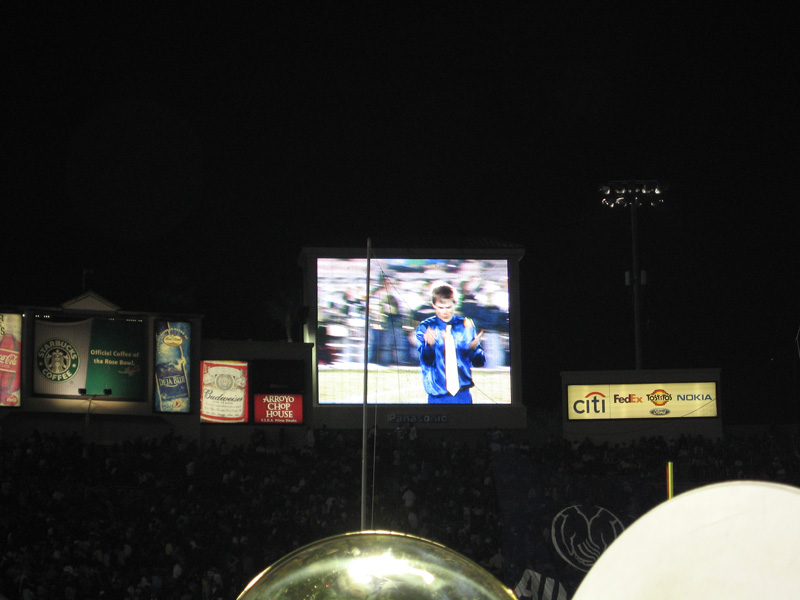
430, 336
474, 343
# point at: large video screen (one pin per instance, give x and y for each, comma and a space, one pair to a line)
439, 331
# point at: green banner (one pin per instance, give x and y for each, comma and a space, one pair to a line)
116, 359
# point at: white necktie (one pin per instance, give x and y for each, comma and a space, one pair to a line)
450, 362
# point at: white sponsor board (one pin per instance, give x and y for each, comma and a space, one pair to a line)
642, 400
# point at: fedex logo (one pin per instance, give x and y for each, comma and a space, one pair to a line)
630, 399
592, 403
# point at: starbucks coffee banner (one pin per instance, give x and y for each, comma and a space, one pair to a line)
91, 354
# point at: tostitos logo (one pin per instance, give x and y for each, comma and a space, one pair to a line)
57, 360
659, 397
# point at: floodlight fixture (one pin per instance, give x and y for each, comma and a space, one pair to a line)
634, 193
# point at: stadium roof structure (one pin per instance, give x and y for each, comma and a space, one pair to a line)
90, 301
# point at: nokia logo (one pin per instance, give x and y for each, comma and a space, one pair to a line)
694, 398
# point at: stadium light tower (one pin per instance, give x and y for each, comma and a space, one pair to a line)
634, 193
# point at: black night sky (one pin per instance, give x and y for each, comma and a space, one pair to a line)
186, 156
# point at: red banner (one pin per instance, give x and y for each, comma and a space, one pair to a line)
10, 345
278, 408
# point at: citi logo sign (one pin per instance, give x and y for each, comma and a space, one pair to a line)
592, 403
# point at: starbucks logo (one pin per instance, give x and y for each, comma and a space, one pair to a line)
57, 360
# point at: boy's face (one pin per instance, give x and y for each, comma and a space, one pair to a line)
444, 308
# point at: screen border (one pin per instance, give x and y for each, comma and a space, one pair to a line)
511, 415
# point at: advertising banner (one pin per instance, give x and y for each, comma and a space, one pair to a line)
223, 398
172, 366
10, 364
278, 408
93, 354
642, 401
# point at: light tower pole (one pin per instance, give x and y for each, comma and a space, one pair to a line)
634, 193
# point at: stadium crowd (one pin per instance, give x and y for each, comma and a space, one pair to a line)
176, 519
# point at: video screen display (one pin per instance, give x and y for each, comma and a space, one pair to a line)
439, 331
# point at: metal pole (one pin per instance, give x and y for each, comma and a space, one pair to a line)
364, 409
636, 277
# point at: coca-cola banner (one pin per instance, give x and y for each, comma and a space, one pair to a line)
172, 366
10, 347
223, 398
104, 357
278, 408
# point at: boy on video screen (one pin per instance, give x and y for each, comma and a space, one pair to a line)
448, 349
